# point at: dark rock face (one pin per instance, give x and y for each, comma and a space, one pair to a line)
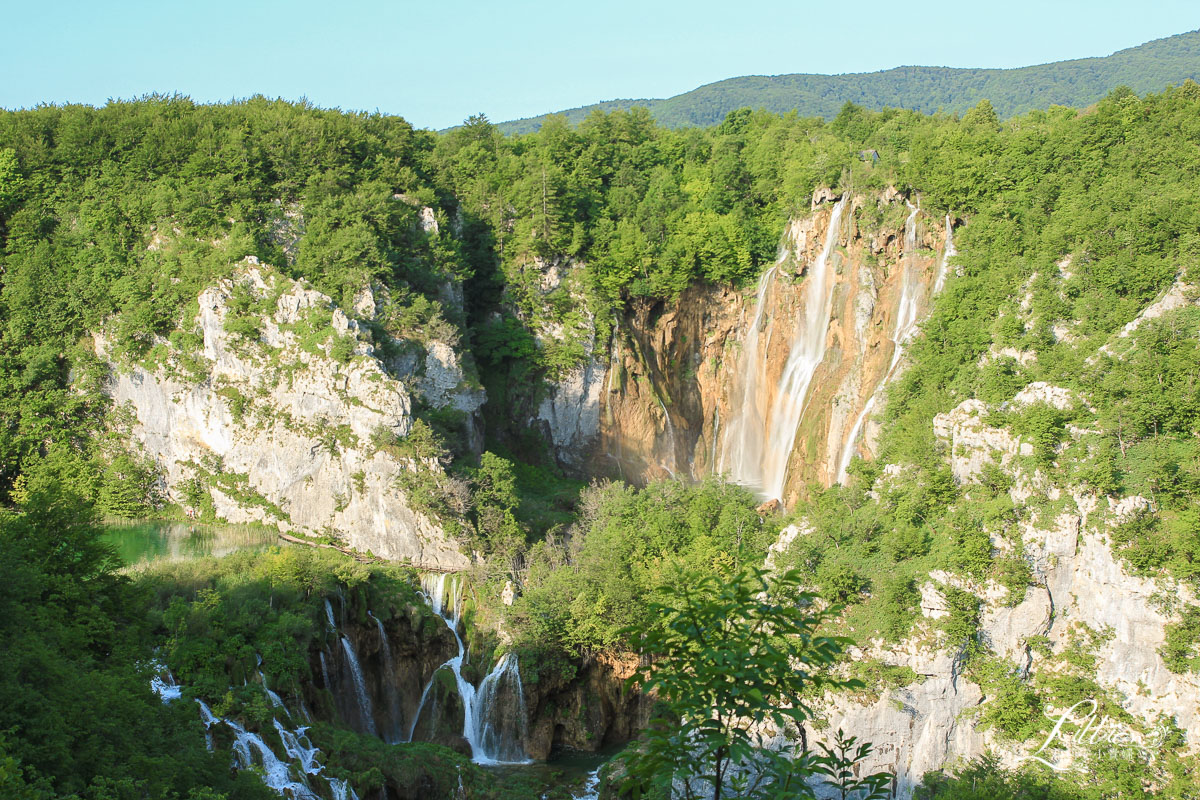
419, 642
592, 711
441, 717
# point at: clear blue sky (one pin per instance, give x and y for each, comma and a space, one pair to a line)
435, 63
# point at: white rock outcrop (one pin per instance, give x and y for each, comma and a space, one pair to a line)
1180, 294
973, 443
914, 729
283, 435
570, 412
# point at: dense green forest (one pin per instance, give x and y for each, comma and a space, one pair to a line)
1145, 68
647, 210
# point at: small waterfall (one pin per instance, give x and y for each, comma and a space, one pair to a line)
849, 448
906, 323
275, 699
325, 671
493, 720
442, 590
500, 715
360, 686
389, 681
209, 719
670, 438
164, 685
944, 265
290, 777
716, 437
807, 352
591, 787
298, 748
275, 772
329, 615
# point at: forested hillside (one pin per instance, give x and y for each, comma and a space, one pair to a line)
520, 254
1145, 68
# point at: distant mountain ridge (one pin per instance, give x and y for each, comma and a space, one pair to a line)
1146, 68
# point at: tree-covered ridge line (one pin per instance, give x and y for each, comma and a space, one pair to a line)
1079, 82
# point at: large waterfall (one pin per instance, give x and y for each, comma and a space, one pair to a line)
759, 439
494, 717
500, 719
741, 457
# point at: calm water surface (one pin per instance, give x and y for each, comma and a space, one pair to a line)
147, 541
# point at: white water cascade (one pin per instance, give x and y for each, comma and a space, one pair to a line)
164, 684
329, 615
849, 448
591, 787
360, 686
325, 671
500, 720
906, 321
806, 354
493, 718
289, 777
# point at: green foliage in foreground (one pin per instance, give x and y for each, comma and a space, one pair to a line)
985, 779
588, 587
737, 661
77, 715
736, 652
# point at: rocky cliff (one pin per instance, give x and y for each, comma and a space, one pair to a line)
678, 376
592, 711
1084, 604
273, 405
1085, 621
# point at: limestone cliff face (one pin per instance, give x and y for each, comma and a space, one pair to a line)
280, 415
677, 375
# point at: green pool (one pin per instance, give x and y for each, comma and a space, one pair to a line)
146, 541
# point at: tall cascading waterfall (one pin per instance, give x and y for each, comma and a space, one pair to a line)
494, 717
906, 322
741, 455
778, 433
670, 439
354, 701
944, 265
